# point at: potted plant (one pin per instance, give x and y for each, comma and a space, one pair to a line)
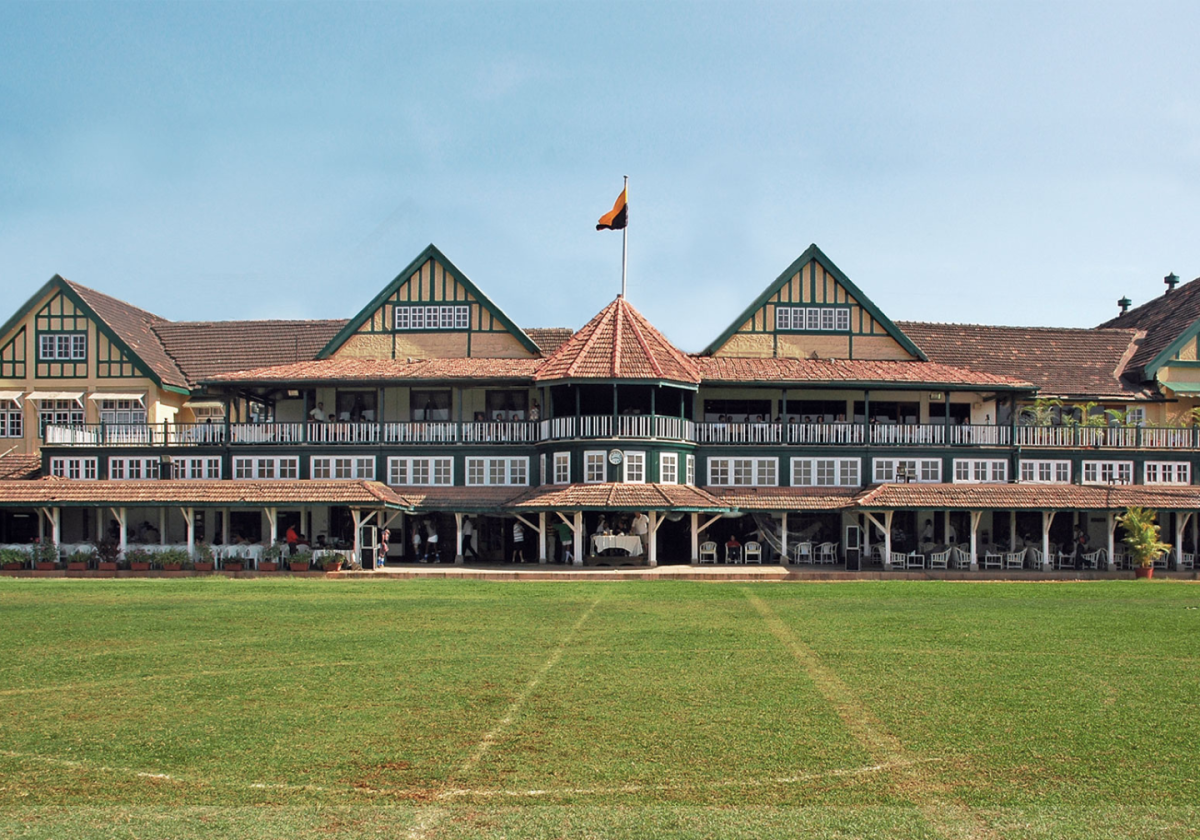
139, 559
78, 561
175, 560
300, 561
107, 553
13, 559
272, 555
332, 562
205, 559
45, 556
1141, 538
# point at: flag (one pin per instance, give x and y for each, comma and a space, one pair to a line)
617, 217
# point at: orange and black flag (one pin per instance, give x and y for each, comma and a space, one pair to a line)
616, 218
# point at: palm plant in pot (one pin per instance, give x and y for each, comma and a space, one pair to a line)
1141, 538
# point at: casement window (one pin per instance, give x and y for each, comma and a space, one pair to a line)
132, 469
743, 472
1046, 472
562, 467
60, 347
432, 317
1168, 472
12, 419
84, 468
541, 469
980, 471
635, 468
59, 413
355, 467
266, 469
122, 412
595, 467
813, 318
668, 468
1108, 472
195, 468
206, 412
1135, 415
691, 470
825, 472
920, 470
497, 471
438, 472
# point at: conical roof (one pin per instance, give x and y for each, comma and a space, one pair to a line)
619, 343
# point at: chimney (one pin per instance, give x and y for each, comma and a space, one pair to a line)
1124, 303
1171, 280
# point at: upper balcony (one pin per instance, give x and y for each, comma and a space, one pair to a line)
619, 427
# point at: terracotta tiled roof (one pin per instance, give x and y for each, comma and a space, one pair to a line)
619, 343
205, 348
731, 370
20, 467
549, 339
618, 496
1162, 319
459, 499
51, 491
136, 328
1027, 497
785, 498
386, 370
1071, 363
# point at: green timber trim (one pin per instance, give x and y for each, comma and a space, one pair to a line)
813, 253
670, 383
63, 287
430, 253
881, 385
1164, 359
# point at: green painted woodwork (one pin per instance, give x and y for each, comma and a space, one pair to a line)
115, 363
374, 315
1165, 358
12, 356
808, 260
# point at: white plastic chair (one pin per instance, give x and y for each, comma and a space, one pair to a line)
752, 553
827, 552
961, 557
708, 552
1187, 560
1097, 559
939, 559
1015, 559
802, 552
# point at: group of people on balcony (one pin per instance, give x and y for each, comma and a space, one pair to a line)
358, 413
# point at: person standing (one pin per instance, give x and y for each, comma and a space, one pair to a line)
318, 414
641, 530
518, 542
468, 537
431, 541
416, 543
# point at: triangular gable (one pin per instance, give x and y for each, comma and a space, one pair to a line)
1172, 350
430, 280
813, 282
115, 359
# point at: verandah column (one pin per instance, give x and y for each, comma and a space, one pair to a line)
652, 553
695, 537
542, 537
578, 529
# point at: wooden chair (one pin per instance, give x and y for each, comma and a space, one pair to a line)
1033, 557
752, 553
1015, 559
1097, 559
914, 561
939, 559
1187, 560
708, 552
1064, 561
960, 557
993, 560
827, 552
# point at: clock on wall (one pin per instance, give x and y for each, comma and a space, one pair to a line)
615, 456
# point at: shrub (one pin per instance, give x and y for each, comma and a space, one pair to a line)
79, 557
175, 556
108, 551
138, 555
45, 552
13, 555
204, 553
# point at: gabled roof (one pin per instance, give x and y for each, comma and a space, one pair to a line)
1169, 321
20, 467
1025, 497
614, 496
549, 339
619, 344
1061, 362
810, 254
384, 371
206, 348
734, 370
430, 253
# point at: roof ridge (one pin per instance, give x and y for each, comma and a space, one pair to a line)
641, 340
1014, 327
587, 342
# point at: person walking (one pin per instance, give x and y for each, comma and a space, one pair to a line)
641, 530
518, 542
468, 537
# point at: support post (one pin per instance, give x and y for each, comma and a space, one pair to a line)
783, 536
695, 530
162, 526
1047, 521
1012, 530
189, 517
1110, 528
887, 537
123, 534
578, 528
976, 517
542, 558
652, 547
356, 515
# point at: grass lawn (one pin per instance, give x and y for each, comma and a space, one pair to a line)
447, 709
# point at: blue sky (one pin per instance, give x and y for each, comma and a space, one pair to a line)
1014, 163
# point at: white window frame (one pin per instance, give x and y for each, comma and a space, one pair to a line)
123, 412
690, 478
633, 469
133, 469
922, 470
12, 420
63, 347
196, 468
492, 472
743, 472
59, 413
266, 468
595, 466
980, 471
668, 468
1106, 472
812, 318
83, 469
439, 317
562, 467
421, 471
1167, 472
826, 472
342, 467
1041, 471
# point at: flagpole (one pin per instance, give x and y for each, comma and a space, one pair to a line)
625, 240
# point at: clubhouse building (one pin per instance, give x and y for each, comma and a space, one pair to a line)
813, 430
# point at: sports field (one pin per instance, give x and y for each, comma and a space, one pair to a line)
460, 709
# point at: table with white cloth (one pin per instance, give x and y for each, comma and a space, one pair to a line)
631, 545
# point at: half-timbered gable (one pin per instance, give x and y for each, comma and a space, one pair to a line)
812, 310
431, 310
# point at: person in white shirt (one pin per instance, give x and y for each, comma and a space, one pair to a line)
641, 530
318, 414
468, 538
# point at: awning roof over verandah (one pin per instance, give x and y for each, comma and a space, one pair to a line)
1025, 497
57, 492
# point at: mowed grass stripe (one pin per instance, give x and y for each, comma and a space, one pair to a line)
680, 694
950, 818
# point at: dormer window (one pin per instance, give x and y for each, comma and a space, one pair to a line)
55, 347
410, 318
